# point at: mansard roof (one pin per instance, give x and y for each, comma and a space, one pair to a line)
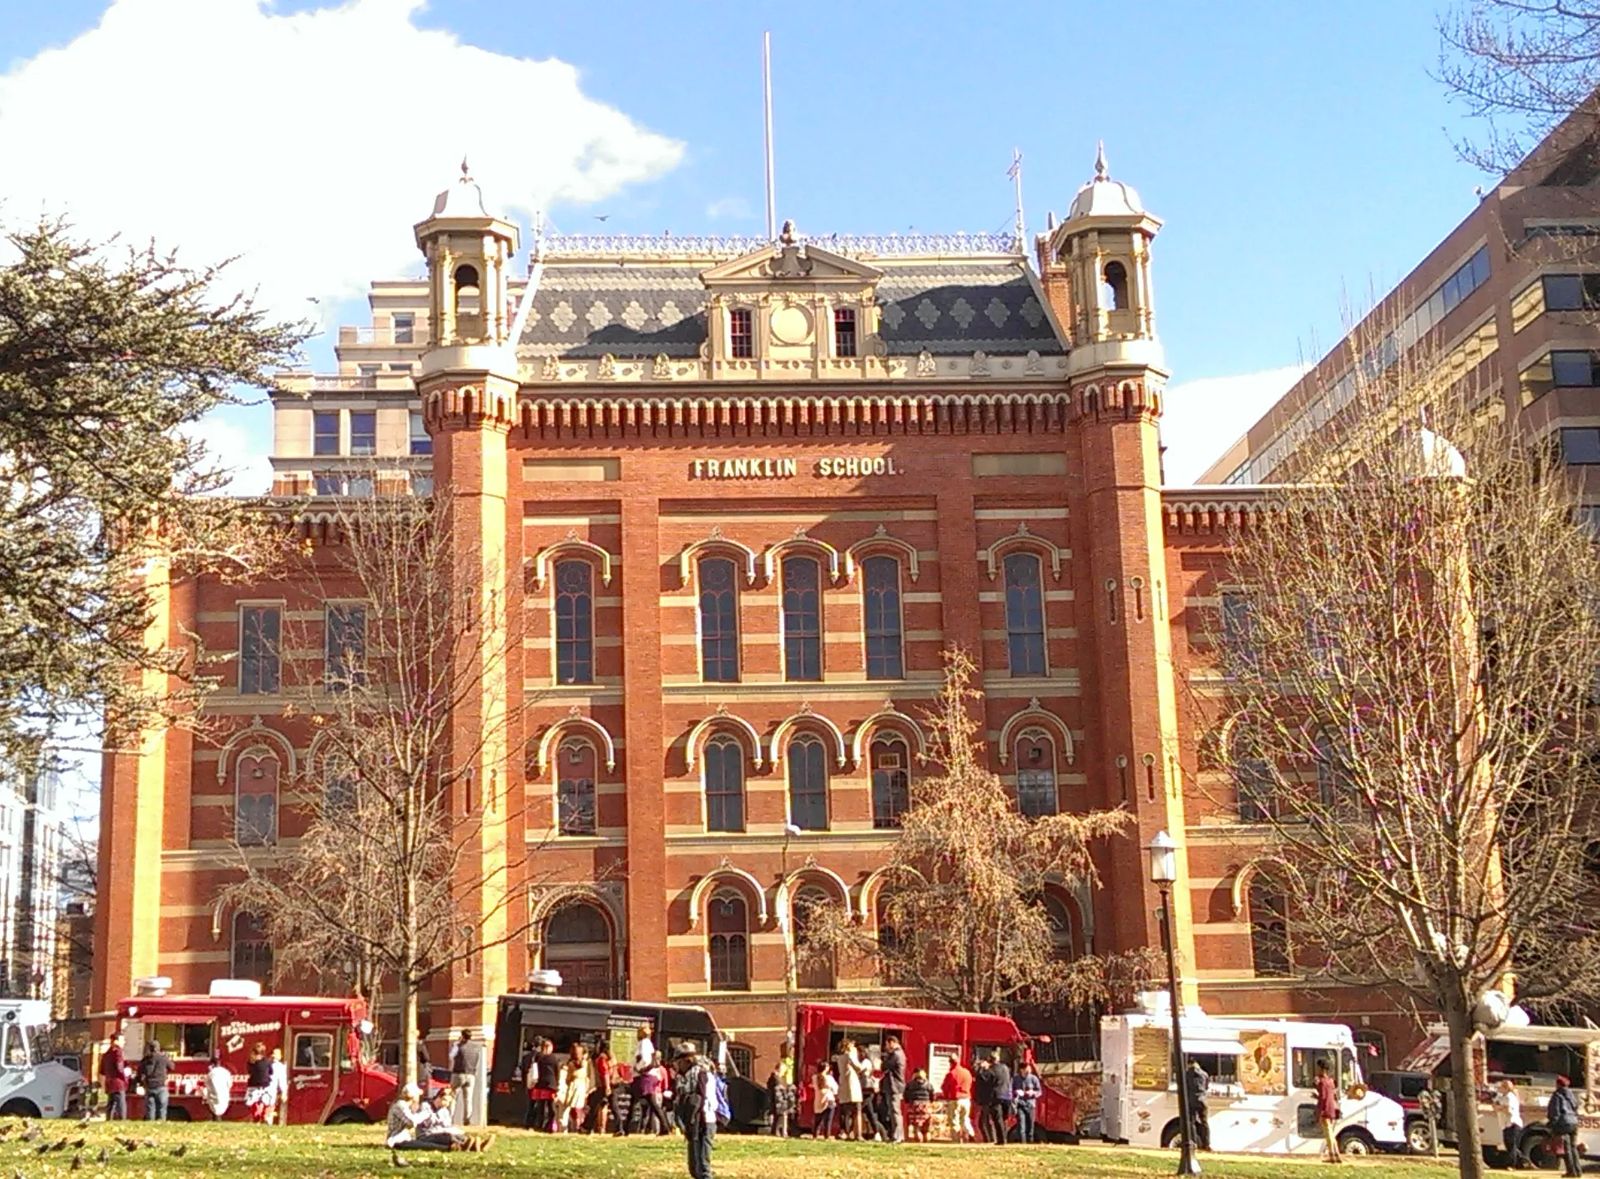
633, 304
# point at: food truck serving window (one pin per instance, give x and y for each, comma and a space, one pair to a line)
1540, 1064
1305, 1066
313, 1050
186, 1041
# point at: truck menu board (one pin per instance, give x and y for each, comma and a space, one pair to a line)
1261, 1064
1152, 1059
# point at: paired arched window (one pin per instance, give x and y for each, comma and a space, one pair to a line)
723, 766
808, 783
888, 936
1025, 647
1253, 777
884, 625
574, 622
250, 954
891, 779
728, 941
1334, 792
1269, 929
814, 965
338, 793
1036, 773
1060, 919
577, 767
719, 620
255, 797
577, 942
802, 618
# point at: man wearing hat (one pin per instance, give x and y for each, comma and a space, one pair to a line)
1561, 1115
694, 1102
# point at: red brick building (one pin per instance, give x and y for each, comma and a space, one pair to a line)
747, 493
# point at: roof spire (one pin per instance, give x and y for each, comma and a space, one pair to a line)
1101, 172
466, 173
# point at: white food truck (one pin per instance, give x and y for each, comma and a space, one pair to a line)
32, 1083
1531, 1057
1262, 1097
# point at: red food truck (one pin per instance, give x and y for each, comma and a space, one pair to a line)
321, 1038
929, 1038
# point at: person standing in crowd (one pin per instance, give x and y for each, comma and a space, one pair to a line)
694, 1106
1328, 1112
404, 1128
258, 1087
648, 1115
665, 1076
1025, 1093
957, 1090
892, 1088
621, 1103
572, 1098
219, 1088
871, 1114
279, 1110
605, 1077
781, 1095
542, 1077
1000, 1103
114, 1080
1562, 1117
153, 1069
466, 1056
644, 1052
847, 1063
1509, 1106
983, 1097
919, 1106
824, 1102
1198, 1085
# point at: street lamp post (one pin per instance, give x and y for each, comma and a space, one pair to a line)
1163, 851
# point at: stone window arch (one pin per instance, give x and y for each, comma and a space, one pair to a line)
256, 781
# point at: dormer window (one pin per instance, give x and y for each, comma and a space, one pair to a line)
844, 331
741, 334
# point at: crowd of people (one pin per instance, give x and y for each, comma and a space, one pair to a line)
266, 1093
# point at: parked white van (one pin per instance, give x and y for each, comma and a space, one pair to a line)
32, 1083
1262, 1097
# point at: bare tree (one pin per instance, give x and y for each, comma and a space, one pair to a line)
404, 868
1522, 66
961, 920
1408, 713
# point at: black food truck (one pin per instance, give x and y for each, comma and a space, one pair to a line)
612, 1025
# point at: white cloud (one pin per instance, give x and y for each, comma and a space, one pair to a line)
237, 442
309, 143
1202, 418
733, 208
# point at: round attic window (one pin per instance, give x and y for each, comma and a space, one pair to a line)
791, 325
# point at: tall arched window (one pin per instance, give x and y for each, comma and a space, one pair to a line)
888, 936
891, 779
1269, 929
255, 797
814, 965
1333, 777
1253, 778
577, 942
1036, 773
250, 955
1060, 919
574, 622
881, 605
1025, 614
719, 621
802, 619
1116, 290
728, 938
723, 765
808, 783
576, 770
466, 290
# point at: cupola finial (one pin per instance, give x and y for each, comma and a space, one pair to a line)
466, 172
1101, 172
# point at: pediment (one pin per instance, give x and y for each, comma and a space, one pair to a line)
800, 264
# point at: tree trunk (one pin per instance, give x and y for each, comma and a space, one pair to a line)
408, 1033
1463, 1087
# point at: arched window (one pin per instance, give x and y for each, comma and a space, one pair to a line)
808, 783
814, 966
251, 952
577, 942
466, 290
338, 793
1253, 777
891, 780
255, 798
1036, 773
1333, 776
888, 937
724, 777
1025, 614
743, 1059
576, 770
1269, 929
1116, 288
802, 619
881, 605
1060, 919
728, 936
719, 621
574, 622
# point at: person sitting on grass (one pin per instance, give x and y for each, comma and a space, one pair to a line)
918, 1106
407, 1116
440, 1119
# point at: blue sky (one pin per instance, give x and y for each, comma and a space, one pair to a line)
1300, 154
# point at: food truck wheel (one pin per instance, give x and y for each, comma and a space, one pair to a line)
19, 1107
1169, 1134
348, 1115
1355, 1142
1535, 1147
1419, 1136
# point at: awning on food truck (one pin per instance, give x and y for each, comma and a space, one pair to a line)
1199, 1046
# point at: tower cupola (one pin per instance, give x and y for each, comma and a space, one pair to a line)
1096, 265
469, 254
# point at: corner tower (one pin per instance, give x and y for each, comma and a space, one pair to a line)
467, 379
1096, 269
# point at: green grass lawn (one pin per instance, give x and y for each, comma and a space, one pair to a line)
242, 1149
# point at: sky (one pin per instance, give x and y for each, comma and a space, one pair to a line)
1300, 155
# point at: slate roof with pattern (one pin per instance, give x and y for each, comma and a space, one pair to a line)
948, 306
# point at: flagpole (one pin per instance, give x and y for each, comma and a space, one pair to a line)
1015, 172
766, 88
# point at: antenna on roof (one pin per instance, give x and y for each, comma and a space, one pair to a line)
1015, 172
766, 93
